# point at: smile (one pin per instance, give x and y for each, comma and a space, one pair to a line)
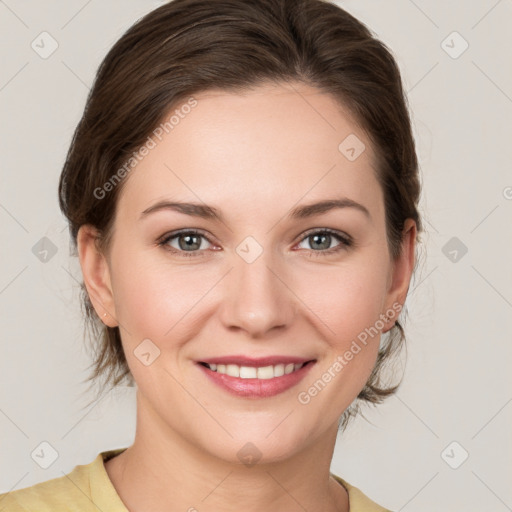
251, 372
256, 378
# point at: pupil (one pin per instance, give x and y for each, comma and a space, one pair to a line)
189, 242
317, 239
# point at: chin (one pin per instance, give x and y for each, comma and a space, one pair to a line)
256, 446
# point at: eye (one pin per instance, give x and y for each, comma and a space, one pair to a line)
191, 243
186, 243
320, 241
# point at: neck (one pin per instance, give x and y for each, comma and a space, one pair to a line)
164, 471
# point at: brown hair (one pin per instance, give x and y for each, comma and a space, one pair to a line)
188, 46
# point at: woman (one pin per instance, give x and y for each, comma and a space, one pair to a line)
242, 191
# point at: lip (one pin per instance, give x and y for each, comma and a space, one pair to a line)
255, 361
256, 388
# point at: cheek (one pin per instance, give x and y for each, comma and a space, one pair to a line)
156, 302
154, 298
346, 299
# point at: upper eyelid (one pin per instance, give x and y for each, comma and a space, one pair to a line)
331, 231
184, 231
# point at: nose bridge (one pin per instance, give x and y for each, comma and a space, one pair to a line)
257, 300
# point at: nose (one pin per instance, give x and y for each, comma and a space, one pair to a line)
256, 297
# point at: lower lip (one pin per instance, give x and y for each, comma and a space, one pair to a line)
257, 388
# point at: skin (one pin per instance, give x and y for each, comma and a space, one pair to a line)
253, 156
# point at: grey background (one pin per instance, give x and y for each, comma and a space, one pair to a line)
457, 385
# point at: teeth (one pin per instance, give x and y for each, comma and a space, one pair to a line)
251, 372
267, 372
278, 370
289, 368
232, 370
248, 372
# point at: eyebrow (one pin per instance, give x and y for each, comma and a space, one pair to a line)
300, 212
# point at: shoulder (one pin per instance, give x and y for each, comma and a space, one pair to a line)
68, 490
72, 491
358, 501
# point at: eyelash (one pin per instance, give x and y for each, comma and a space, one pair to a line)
345, 242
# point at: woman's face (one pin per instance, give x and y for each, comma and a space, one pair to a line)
270, 277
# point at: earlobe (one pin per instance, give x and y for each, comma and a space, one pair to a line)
96, 274
402, 272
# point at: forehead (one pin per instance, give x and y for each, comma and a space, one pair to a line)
270, 145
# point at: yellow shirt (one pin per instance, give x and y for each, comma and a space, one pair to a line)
88, 489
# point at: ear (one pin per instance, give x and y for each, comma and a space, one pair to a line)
403, 266
96, 274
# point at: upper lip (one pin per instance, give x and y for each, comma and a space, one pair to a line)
255, 361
